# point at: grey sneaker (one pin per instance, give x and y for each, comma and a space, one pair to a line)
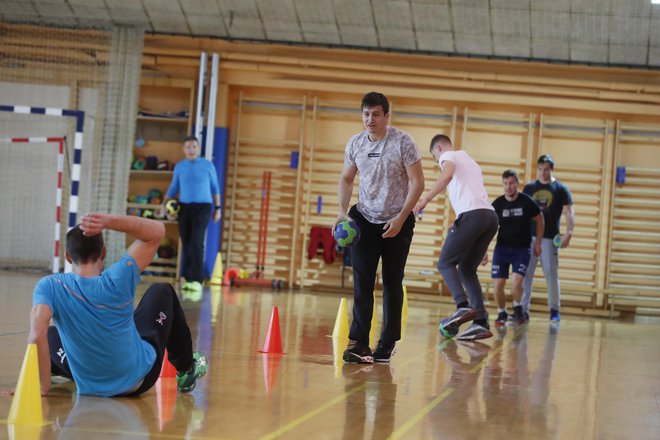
475, 331
449, 326
186, 381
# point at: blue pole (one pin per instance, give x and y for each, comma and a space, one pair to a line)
214, 230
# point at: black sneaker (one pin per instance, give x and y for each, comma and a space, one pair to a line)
554, 315
384, 352
501, 319
357, 353
519, 315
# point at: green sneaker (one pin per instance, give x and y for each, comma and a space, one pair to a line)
185, 382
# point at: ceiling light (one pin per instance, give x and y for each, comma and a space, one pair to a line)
655, 2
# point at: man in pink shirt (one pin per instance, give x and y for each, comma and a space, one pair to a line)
467, 239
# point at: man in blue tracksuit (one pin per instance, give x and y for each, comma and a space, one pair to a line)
196, 182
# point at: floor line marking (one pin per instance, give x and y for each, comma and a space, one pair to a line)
420, 414
302, 419
447, 392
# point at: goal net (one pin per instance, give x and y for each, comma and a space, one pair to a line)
87, 81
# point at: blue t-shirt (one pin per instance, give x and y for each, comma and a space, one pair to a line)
94, 317
195, 181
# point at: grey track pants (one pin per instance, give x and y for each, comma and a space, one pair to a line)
550, 264
466, 243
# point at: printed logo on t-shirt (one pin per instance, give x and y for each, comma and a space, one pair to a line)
543, 197
515, 212
373, 154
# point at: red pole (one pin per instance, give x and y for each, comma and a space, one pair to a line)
261, 220
265, 227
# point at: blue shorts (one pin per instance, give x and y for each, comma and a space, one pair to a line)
505, 256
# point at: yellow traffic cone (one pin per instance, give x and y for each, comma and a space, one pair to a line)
216, 298
217, 276
404, 311
24, 432
26, 404
374, 322
337, 359
341, 323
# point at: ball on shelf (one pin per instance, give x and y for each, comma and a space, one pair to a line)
142, 199
139, 164
347, 233
155, 192
164, 165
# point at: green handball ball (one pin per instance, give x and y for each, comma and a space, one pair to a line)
346, 233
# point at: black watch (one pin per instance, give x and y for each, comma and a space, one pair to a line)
217, 207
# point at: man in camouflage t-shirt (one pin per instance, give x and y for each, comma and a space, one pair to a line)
391, 181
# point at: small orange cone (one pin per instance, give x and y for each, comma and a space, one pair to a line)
167, 370
271, 370
166, 393
273, 341
26, 404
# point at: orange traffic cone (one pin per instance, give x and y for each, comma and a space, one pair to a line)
166, 393
273, 342
167, 370
271, 370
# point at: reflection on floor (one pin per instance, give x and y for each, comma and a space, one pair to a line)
588, 378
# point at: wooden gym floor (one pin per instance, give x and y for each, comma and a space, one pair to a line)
585, 379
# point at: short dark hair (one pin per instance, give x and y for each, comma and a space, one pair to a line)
546, 158
439, 139
374, 99
509, 173
190, 138
82, 248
